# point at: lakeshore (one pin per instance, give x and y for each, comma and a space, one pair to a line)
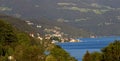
78, 49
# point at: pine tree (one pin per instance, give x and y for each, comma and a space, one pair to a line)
87, 57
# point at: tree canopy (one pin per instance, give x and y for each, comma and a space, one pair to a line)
19, 46
108, 53
112, 52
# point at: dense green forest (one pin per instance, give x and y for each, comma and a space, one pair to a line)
16, 45
109, 53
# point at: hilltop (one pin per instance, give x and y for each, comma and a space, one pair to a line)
39, 26
96, 16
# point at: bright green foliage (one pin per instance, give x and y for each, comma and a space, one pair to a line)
87, 57
60, 54
112, 52
50, 58
23, 38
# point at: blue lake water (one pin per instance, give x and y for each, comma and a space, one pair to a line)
78, 49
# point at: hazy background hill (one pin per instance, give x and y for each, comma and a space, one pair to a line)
39, 26
101, 17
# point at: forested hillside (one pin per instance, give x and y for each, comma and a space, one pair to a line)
19, 46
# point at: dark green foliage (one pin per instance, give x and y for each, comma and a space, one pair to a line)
22, 47
30, 53
87, 57
112, 52
7, 34
109, 53
96, 56
8, 38
18, 44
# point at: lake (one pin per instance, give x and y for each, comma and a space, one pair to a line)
78, 49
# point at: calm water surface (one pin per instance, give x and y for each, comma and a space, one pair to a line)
78, 53
78, 49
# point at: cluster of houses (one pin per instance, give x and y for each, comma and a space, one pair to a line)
29, 23
56, 32
52, 32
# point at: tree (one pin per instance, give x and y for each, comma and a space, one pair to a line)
60, 54
8, 38
87, 57
30, 53
96, 56
21, 47
23, 38
7, 34
50, 58
111, 52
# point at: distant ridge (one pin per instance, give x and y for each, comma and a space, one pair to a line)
22, 25
101, 17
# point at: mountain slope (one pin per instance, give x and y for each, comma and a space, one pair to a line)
18, 23
96, 16
45, 24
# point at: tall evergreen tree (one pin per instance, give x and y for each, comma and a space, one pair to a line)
87, 57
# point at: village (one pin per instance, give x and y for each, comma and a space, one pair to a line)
55, 34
